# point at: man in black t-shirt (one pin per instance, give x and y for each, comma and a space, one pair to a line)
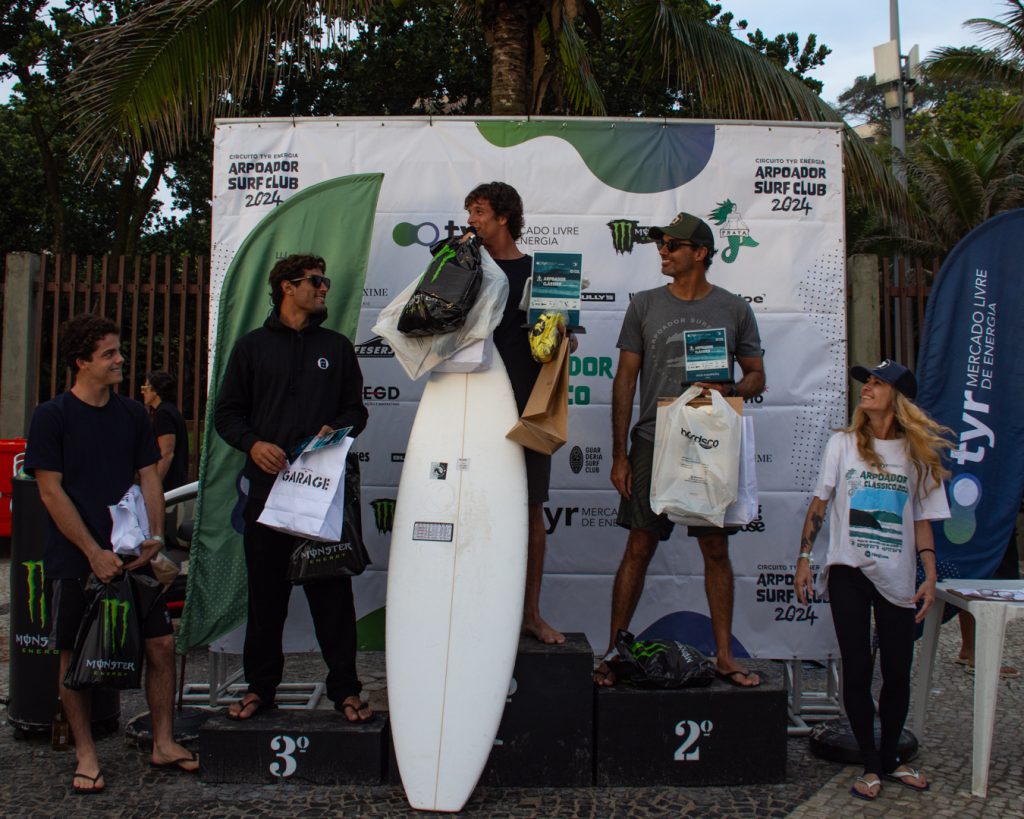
159, 392
495, 212
84, 448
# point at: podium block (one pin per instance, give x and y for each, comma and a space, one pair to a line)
314, 747
547, 731
719, 735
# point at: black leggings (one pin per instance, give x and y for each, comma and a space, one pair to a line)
852, 596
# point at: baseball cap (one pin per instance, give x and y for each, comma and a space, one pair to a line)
689, 228
890, 372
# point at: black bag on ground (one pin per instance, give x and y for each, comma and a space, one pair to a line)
109, 646
447, 290
659, 663
315, 560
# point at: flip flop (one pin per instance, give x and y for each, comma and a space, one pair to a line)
962, 661
1007, 672
93, 779
178, 763
868, 782
254, 703
362, 712
732, 677
903, 773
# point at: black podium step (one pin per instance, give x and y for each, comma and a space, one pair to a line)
719, 735
546, 734
317, 747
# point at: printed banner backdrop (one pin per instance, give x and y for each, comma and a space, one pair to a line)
772, 193
971, 377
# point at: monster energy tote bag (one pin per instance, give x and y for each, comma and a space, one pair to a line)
308, 497
696, 457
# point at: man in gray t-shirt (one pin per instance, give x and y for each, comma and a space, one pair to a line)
660, 325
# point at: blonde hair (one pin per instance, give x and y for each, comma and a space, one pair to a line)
925, 439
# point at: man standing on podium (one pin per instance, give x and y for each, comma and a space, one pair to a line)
287, 380
652, 346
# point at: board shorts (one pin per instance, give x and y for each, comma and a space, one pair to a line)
68, 601
635, 512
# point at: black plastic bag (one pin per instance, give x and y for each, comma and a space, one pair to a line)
109, 646
446, 292
659, 663
314, 560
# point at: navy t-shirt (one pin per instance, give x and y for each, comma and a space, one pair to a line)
97, 450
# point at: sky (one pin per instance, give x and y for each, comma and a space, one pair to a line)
852, 28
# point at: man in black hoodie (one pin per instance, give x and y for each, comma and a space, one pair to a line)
290, 379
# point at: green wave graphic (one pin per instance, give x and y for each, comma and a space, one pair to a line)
634, 157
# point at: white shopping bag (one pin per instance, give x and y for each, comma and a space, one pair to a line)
696, 458
308, 497
743, 510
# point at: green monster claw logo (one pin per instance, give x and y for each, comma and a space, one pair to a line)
115, 618
35, 577
733, 228
441, 259
642, 648
383, 514
623, 234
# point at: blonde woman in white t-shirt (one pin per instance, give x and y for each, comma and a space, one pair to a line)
883, 475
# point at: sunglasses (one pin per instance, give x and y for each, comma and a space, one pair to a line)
316, 281
673, 244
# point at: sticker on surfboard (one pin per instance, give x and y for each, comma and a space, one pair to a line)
437, 532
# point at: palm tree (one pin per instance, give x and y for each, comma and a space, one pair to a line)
157, 79
961, 186
1002, 65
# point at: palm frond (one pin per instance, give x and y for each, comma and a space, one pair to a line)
582, 91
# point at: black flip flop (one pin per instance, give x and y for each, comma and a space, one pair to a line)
256, 704
178, 763
731, 678
344, 707
93, 779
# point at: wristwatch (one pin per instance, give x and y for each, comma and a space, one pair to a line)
159, 539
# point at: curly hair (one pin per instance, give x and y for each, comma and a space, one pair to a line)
292, 267
163, 384
925, 439
504, 201
80, 335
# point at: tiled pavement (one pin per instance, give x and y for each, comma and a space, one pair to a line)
35, 780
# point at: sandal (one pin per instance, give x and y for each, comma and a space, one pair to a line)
248, 707
903, 774
358, 711
869, 781
92, 779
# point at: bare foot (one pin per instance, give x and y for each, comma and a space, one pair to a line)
538, 629
603, 676
733, 674
173, 755
355, 709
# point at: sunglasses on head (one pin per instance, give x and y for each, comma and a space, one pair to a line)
316, 281
673, 244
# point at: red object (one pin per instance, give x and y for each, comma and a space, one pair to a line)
12, 452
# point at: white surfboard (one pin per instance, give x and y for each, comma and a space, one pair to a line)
456, 575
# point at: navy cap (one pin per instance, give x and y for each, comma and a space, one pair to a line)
689, 228
898, 376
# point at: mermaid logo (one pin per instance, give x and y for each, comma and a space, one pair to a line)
115, 621
35, 578
731, 228
383, 514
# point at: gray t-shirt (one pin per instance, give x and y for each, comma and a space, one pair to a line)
653, 328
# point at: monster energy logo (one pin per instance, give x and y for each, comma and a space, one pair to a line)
647, 649
115, 619
383, 514
623, 234
441, 259
35, 577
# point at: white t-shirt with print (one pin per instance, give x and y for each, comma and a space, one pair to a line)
871, 524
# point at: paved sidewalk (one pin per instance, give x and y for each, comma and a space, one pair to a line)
36, 780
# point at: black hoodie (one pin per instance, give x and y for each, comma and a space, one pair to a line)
282, 385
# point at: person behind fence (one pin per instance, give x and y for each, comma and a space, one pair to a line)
495, 211
84, 449
883, 475
652, 347
287, 380
159, 392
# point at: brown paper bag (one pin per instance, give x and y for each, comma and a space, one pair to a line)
544, 426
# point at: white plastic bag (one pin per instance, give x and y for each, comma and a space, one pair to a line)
470, 359
696, 458
130, 522
421, 354
308, 497
743, 510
